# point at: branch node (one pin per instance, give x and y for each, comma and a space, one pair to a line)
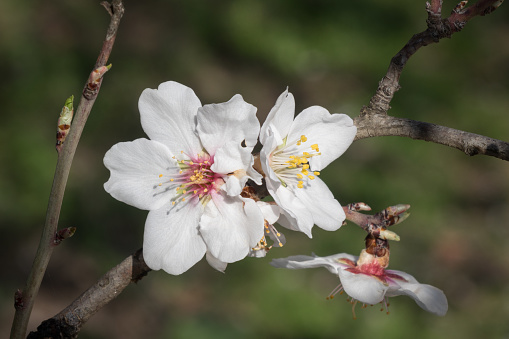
63, 234
108, 7
19, 303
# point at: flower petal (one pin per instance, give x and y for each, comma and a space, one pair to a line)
135, 173
326, 211
270, 211
237, 161
228, 123
426, 296
280, 118
304, 261
294, 211
333, 133
216, 263
362, 287
171, 241
168, 115
231, 226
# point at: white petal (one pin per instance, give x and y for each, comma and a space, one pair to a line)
216, 263
168, 115
231, 226
171, 241
270, 211
280, 117
318, 199
236, 161
228, 123
305, 261
427, 297
294, 211
333, 133
364, 288
303, 207
135, 168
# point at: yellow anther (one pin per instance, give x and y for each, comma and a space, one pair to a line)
305, 172
205, 190
278, 234
306, 154
180, 172
190, 162
183, 199
173, 203
195, 191
172, 179
314, 146
160, 184
316, 173
311, 177
206, 162
306, 166
298, 143
181, 152
173, 157
303, 138
299, 176
184, 192
200, 195
300, 186
267, 231
280, 244
160, 175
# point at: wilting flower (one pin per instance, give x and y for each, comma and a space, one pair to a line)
293, 153
366, 280
189, 175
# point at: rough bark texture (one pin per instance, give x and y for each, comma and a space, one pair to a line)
69, 321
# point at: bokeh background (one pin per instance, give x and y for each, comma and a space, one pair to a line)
329, 53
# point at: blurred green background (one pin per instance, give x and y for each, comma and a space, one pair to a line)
329, 53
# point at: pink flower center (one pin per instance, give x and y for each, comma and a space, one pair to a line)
195, 179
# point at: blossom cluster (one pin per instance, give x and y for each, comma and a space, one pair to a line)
196, 170
191, 173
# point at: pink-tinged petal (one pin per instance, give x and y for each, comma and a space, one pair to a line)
228, 123
280, 118
333, 133
172, 241
344, 259
326, 211
231, 226
136, 170
426, 296
305, 261
216, 263
168, 115
364, 288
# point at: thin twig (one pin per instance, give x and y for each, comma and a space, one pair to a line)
24, 300
438, 28
69, 321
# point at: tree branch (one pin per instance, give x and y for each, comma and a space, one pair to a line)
438, 28
373, 120
69, 321
24, 300
471, 144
